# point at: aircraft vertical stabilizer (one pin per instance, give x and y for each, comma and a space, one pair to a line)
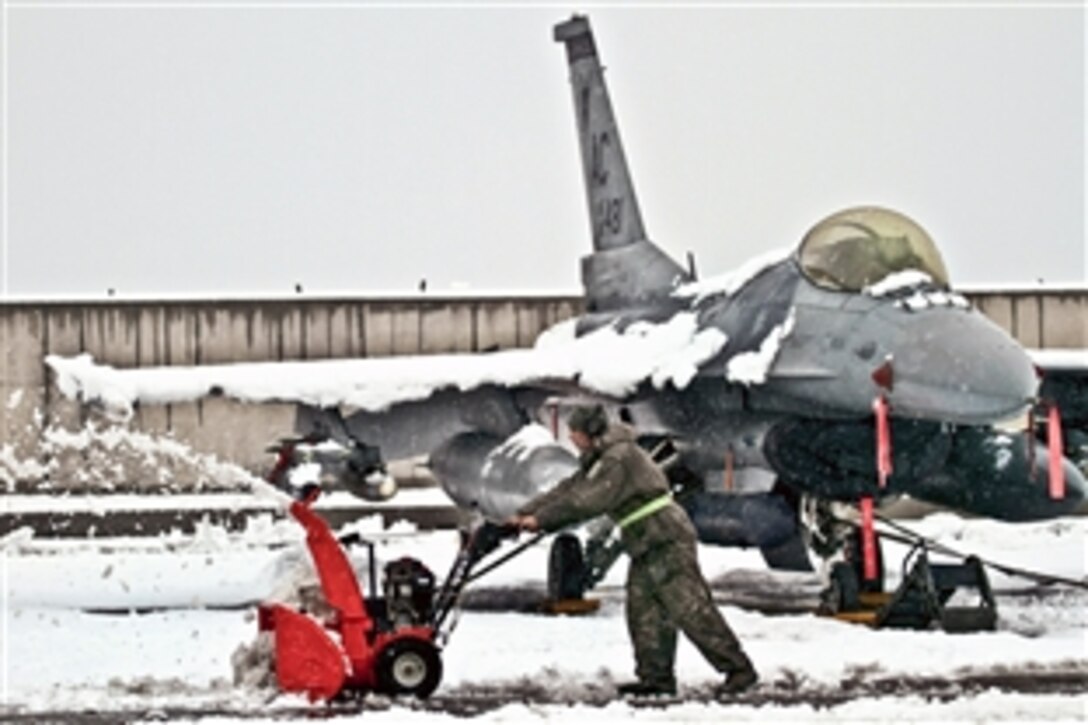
625, 268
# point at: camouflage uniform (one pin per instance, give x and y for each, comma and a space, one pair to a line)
665, 589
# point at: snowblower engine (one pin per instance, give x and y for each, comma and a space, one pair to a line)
409, 593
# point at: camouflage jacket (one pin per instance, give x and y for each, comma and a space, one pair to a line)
616, 479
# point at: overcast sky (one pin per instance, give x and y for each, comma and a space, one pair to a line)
174, 148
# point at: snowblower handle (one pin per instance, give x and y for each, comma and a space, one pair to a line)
473, 576
479, 543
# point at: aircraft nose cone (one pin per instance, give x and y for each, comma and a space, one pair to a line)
958, 366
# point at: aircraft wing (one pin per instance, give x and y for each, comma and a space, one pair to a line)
606, 361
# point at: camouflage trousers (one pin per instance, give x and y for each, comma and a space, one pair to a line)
666, 592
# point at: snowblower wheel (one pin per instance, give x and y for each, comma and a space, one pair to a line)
566, 569
409, 667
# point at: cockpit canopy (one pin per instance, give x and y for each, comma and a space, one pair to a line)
857, 248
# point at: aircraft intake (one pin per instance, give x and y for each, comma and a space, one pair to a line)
1002, 475
974, 469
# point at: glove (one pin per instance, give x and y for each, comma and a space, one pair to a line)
488, 537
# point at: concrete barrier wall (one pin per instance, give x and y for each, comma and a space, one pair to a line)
151, 333
1044, 319
34, 448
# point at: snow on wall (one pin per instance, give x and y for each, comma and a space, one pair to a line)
1073, 359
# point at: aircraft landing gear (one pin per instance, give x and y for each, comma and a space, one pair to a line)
833, 536
568, 578
847, 585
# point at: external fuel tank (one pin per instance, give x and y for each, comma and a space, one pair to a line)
483, 472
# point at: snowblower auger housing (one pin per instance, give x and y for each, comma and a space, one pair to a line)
359, 648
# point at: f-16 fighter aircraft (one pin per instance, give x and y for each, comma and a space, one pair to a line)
845, 370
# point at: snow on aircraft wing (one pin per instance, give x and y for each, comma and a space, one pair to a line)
606, 361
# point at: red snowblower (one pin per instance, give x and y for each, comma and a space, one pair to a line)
374, 653
388, 643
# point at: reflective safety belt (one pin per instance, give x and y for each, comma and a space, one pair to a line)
645, 510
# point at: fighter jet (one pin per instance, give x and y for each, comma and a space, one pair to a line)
843, 370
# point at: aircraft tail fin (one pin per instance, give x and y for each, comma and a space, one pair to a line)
625, 268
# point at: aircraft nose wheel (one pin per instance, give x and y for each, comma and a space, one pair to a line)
409, 667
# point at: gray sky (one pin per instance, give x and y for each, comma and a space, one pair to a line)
172, 148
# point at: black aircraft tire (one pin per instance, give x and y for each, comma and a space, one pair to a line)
566, 569
409, 667
841, 594
789, 555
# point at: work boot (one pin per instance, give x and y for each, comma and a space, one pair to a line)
646, 689
737, 682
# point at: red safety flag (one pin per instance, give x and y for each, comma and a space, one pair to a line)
1054, 441
868, 539
883, 441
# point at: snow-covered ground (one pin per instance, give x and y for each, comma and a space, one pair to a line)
174, 658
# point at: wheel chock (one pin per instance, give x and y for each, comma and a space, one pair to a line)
570, 606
